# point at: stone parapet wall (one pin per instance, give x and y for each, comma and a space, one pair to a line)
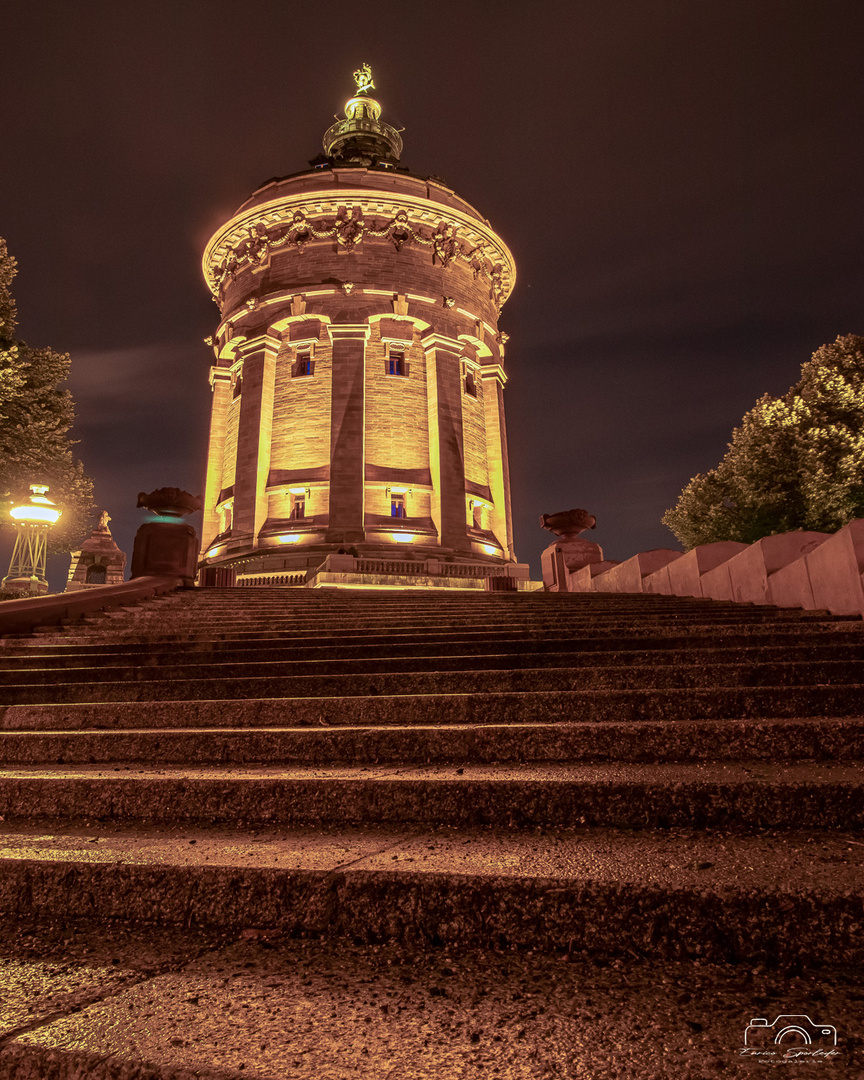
810, 570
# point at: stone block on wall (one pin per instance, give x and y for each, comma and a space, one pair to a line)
627, 576
582, 580
750, 569
790, 586
659, 582
686, 573
835, 569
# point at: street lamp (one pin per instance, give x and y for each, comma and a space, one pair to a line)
32, 521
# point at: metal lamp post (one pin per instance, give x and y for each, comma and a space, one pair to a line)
32, 521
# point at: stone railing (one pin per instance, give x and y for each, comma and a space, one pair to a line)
271, 577
810, 570
21, 616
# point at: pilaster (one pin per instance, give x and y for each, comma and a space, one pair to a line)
254, 435
446, 455
220, 380
347, 432
497, 457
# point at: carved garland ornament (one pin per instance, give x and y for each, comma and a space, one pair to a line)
348, 230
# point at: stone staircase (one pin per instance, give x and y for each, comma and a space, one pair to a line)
569, 791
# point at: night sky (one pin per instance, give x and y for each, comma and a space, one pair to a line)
680, 182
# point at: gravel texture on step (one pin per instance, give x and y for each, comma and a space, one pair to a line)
269, 1007
776, 898
811, 795
766, 740
638, 669
539, 706
558, 652
142, 686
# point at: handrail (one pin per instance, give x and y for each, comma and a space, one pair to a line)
21, 616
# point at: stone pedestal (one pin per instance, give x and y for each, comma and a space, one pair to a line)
564, 557
99, 561
165, 548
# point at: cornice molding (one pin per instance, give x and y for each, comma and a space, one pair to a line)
247, 240
349, 330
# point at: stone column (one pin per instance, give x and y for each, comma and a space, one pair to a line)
347, 432
496, 456
446, 457
220, 380
254, 434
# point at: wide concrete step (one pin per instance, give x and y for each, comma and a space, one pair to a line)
807, 738
20, 651
763, 898
699, 795
406, 678
560, 652
598, 706
98, 1003
241, 620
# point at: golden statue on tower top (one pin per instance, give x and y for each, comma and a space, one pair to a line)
363, 79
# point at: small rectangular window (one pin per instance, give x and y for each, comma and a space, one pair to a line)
396, 363
298, 506
470, 384
238, 386
397, 506
303, 365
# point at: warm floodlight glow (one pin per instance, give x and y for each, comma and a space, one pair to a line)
33, 519
39, 510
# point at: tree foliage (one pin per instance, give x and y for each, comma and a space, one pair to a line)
35, 417
796, 462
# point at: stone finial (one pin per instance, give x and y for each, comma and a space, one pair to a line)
568, 552
568, 522
103, 521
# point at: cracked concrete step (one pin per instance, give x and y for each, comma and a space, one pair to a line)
560, 652
809, 738
432, 709
97, 1003
756, 795
606, 892
148, 684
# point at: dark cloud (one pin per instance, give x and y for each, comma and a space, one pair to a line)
679, 183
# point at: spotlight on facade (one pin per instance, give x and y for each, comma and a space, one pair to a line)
32, 519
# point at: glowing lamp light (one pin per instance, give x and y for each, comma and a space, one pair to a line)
39, 510
402, 538
32, 520
288, 538
489, 549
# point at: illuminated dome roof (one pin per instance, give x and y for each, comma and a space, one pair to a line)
361, 138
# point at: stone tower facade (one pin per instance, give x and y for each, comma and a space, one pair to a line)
358, 383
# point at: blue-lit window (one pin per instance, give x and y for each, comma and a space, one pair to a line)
396, 363
397, 506
303, 365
